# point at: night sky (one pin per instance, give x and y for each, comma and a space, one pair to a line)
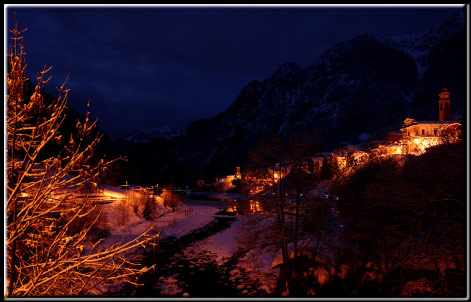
144, 67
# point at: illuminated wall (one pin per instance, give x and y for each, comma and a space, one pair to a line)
417, 137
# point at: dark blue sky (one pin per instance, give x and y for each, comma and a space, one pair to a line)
143, 67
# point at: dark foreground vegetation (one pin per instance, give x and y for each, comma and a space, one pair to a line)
404, 226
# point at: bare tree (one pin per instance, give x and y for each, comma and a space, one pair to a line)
266, 162
45, 257
300, 149
329, 169
283, 164
136, 198
171, 199
149, 207
449, 134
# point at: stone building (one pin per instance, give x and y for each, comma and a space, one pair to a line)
420, 135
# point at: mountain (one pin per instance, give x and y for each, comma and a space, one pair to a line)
68, 127
147, 135
357, 90
147, 153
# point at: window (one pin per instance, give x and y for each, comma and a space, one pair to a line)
423, 132
441, 106
435, 132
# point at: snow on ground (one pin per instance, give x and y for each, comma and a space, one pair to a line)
114, 192
168, 286
324, 187
258, 264
123, 225
172, 224
223, 244
178, 224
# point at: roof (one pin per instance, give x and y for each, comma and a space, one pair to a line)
437, 122
359, 152
323, 154
431, 123
378, 141
391, 145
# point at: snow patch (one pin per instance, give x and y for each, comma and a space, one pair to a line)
223, 244
168, 286
146, 135
257, 264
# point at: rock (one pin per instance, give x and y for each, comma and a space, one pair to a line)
366, 85
186, 294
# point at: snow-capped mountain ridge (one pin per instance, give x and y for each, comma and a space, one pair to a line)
420, 44
147, 135
366, 85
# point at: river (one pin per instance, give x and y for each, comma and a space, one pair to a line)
196, 274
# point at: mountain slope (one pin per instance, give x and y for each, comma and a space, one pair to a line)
147, 135
357, 89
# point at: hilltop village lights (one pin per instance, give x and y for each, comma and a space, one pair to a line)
413, 138
417, 136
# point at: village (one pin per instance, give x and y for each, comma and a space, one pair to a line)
414, 138
154, 202
213, 174
179, 213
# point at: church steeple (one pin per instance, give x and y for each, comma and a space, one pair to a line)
444, 105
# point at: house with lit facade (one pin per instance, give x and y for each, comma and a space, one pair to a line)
413, 138
420, 135
225, 184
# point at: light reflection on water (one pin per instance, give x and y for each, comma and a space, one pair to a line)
233, 204
245, 207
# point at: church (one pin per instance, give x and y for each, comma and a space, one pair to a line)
419, 135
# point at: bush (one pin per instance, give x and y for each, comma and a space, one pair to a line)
406, 216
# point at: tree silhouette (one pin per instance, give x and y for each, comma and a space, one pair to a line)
46, 256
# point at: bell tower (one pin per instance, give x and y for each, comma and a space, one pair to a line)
238, 176
444, 105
